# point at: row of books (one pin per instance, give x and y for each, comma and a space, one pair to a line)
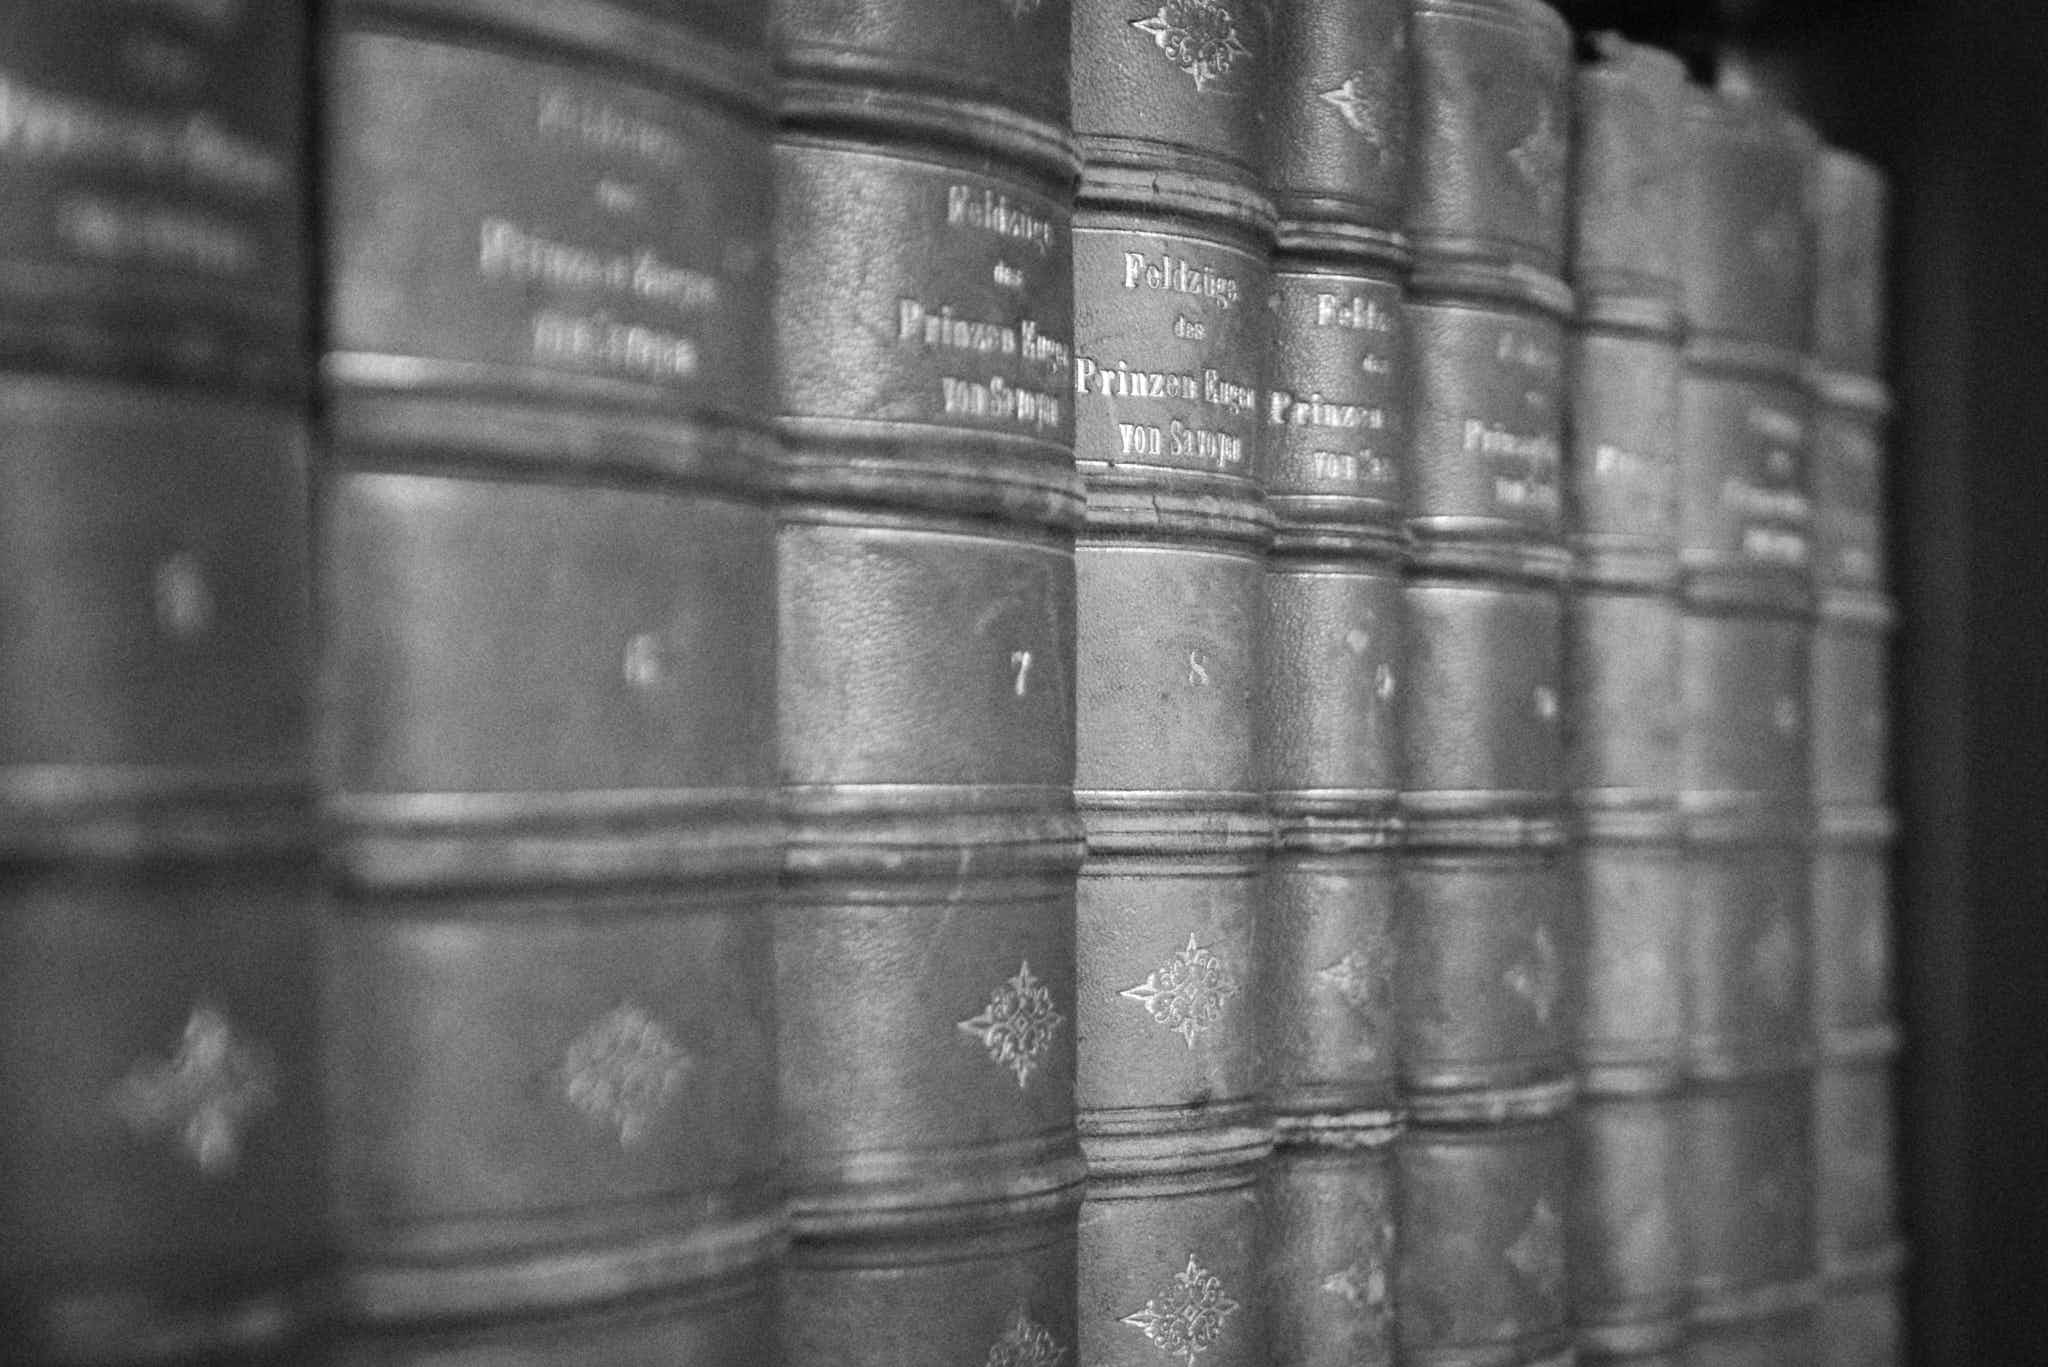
924, 682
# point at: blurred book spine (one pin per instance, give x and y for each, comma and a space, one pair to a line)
1622, 708
547, 585
159, 1068
1746, 526
1860, 1248
1488, 943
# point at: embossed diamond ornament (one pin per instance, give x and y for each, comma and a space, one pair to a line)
623, 1071
184, 601
1018, 1025
1363, 1286
1352, 978
1198, 36
1538, 1253
1539, 159
1363, 978
1187, 1319
1349, 100
204, 1095
1535, 980
1188, 992
1026, 1345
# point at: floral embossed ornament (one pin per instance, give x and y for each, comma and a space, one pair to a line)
1537, 979
1198, 36
623, 1070
1538, 1253
1352, 103
1188, 1318
205, 1094
1187, 993
1539, 159
1026, 1344
1363, 1285
1018, 1025
1363, 978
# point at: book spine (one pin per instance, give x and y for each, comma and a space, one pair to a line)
547, 585
1173, 237
1622, 708
1485, 999
924, 324
1334, 419
1746, 522
1861, 1252
159, 1171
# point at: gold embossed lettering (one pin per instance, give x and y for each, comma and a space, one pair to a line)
1178, 275
1357, 313
1492, 439
991, 211
600, 126
1746, 499
943, 329
998, 399
507, 251
1232, 395
1774, 545
1285, 409
1042, 347
1774, 425
155, 234
1119, 381
1363, 466
600, 342
1139, 439
1203, 444
45, 126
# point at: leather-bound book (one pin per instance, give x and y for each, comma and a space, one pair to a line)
926, 681
1488, 945
1172, 238
159, 1166
1859, 1242
1622, 707
1336, 110
547, 593
1746, 551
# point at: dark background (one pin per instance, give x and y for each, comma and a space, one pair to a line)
1952, 99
